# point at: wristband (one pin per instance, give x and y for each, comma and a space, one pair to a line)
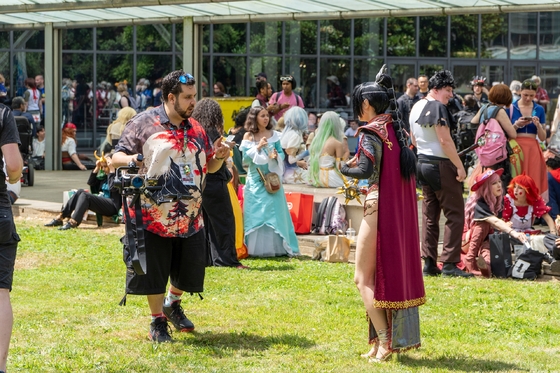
219, 159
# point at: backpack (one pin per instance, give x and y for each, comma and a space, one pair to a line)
133, 102
280, 92
527, 266
493, 148
330, 218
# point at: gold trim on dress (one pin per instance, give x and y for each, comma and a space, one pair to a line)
399, 304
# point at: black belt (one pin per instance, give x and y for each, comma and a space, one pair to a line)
435, 161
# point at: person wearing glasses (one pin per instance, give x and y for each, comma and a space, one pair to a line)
281, 101
528, 119
178, 153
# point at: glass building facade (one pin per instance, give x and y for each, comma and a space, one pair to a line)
502, 47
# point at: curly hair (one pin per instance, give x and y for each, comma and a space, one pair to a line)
251, 124
208, 113
66, 133
441, 79
527, 183
171, 84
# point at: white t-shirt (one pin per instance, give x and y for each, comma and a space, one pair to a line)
350, 132
38, 148
427, 141
69, 146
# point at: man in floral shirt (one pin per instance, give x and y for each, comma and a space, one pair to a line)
177, 152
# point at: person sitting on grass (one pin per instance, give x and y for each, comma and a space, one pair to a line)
523, 204
104, 200
481, 218
553, 166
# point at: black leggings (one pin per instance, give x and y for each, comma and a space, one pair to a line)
82, 201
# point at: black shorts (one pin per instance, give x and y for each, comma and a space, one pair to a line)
180, 260
8, 247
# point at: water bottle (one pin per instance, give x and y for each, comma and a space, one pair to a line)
528, 242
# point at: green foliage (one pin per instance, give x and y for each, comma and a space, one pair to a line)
281, 315
230, 38
401, 40
433, 37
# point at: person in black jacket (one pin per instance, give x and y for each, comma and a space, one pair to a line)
103, 199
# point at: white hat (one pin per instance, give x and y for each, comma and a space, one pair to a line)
333, 79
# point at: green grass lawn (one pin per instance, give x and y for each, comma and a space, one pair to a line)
282, 315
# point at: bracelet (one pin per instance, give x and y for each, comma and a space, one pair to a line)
515, 126
219, 159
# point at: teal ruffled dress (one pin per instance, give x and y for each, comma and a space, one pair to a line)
269, 230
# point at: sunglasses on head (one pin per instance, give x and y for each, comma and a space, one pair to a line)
187, 79
286, 78
530, 85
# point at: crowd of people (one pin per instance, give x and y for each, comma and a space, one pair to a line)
192, 220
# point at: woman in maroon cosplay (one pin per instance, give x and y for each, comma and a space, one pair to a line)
388, 270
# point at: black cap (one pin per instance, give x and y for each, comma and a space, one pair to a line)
261, 75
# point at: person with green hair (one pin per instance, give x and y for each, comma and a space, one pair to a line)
326, 153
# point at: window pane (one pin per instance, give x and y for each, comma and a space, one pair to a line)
205, 75
463, 76
401, 36
29, 39
301, 37
78, 67
230, 38
400, 74
205, 37
114, 67
4, 40
114, 38
271, 66
335, 37
77, 39
304, 70
522, 72
430, 69
494, 36
365, 70
523, 36
549, 46
152, 66
179, 36
464, 36
26, 65
231, 72
550, 80
433, 37
266, 38
334, 83
153, 38
368, 37
493, 73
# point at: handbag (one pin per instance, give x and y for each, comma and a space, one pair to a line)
271, 181
301, 211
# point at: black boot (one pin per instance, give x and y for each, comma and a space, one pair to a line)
451, 270
430, 267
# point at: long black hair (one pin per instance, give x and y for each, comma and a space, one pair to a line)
381, 96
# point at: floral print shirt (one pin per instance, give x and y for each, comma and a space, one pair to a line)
177, 158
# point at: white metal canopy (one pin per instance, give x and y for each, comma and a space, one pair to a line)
83, 13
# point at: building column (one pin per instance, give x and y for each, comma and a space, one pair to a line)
192, 52
53, 84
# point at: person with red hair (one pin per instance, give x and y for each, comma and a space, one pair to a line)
523, 203
71, 160
481, 218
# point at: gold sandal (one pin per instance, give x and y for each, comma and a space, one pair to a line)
383, 336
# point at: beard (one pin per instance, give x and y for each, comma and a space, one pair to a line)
185, 114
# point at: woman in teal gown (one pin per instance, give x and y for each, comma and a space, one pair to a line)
269, 230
